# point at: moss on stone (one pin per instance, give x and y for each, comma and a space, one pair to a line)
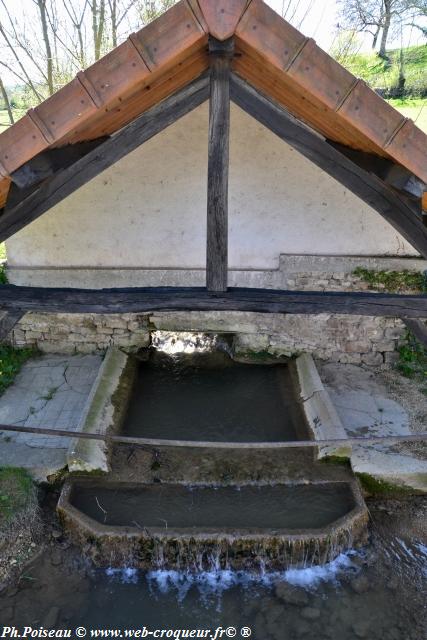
337, 459
377, 487
258, 357
393, 281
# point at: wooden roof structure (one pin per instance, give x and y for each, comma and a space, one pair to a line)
172, 51
216, 50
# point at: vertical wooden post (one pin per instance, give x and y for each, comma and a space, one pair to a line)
221, 54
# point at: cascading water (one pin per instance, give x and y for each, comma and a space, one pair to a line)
375, 593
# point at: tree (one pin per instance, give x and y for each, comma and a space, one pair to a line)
76, 15
296, 11
98, 25
376, 17
417, 9
41, 4
6, 100
150, 9
345, 46
44, 42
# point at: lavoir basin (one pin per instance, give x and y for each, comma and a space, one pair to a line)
210, 398
203, 527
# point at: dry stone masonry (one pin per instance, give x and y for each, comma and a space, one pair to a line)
340, 338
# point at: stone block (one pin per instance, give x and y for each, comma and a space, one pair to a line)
372, 359
87, 347
391, 358
108, 331
134, 325
385, 346
33, 335
394, 333
250, 342
57, 347
356, 346
350, 358
115, 322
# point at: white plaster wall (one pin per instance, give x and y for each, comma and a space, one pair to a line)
149, 209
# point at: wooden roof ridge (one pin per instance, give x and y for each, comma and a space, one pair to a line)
172, 51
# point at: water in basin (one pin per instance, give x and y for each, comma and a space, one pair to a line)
211, 398
219, 508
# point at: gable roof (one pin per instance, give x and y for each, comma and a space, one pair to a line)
172, 51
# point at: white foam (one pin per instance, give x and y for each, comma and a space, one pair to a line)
216, 582
310, 577
128, 575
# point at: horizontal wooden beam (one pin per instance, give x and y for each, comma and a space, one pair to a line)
150, 299
154, 443
63, 183
403, 215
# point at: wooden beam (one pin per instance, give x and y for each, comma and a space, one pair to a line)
65, 182
418, 328
48, 162
150, 299
192, 444
391, 173
404, 216
221, 54
8, 319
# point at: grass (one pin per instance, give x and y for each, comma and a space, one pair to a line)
16, 493
412, 361
383, 74
4, 117
11, 361
393, 281
414, 108
3, 274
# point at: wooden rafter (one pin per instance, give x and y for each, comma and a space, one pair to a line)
218, 163
388, 171
403, 215
150, 299
63, 183
49, 162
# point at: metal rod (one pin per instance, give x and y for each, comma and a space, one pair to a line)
155, 442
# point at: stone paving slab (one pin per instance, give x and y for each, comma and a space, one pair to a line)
50, 391
366, 408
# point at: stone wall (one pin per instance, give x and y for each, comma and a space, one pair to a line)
81, 333
340, 338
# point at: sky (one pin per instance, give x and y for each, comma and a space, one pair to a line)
320, 22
